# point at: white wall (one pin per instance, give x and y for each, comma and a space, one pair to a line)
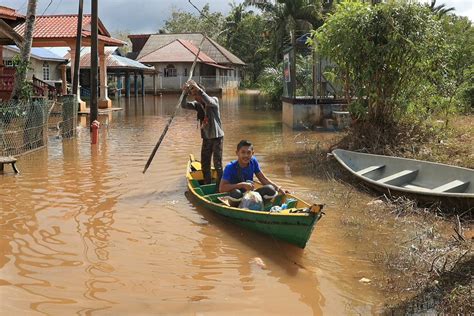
37, 66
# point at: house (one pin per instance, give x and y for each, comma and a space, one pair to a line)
60, 30
172, 55
45, 65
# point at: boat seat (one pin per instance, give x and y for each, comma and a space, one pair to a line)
369, 169
399, 178
453, 186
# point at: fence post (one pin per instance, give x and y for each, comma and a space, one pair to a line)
69, 111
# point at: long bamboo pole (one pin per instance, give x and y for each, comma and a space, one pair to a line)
152, 155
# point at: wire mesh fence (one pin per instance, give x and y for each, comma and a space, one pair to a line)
22, 126
25, 126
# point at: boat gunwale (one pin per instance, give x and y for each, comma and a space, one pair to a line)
399, 188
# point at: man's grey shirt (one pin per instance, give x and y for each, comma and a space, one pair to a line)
212, 127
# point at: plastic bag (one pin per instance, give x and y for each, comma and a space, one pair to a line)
252, 200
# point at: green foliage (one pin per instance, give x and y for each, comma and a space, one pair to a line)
270, 83
211, 23
22, 67
382, 54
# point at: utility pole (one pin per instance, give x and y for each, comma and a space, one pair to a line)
75, 79
94, 60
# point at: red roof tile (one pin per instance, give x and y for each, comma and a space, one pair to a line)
65, 26
177, 51
9, 13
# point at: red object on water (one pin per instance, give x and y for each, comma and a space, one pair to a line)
95, 132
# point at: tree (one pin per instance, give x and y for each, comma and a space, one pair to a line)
288, 17
210, 23
246, 38
21, 88
383, 54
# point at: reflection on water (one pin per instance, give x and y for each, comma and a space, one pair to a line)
84, 231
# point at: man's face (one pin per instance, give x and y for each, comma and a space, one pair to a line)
244, 154
198, 98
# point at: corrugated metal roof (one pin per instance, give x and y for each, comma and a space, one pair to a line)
65, 26
176, 51
212, 49
112, 60
39, 53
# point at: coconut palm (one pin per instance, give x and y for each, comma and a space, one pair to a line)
287, 17
441, 9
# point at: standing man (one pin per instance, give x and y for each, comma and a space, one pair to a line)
212, 133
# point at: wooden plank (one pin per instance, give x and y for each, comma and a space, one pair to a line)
369, 169
451, 186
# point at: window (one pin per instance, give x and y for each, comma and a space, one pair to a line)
170, 71
8, 63
45, 71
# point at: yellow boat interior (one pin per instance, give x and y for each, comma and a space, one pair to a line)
209, 192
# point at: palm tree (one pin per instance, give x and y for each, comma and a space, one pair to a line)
25, 51
288, 16
439, 10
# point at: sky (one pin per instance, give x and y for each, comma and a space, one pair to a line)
148, 16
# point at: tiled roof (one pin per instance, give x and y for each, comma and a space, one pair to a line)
65, 26
9, 13
176, 51
112, 60
39, 53
212, 49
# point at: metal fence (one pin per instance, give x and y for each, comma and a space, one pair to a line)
24, 126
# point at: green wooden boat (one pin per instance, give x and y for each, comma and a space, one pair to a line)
293, 224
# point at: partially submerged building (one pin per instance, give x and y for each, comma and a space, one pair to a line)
172, 55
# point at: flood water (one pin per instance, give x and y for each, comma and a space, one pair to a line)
83, 231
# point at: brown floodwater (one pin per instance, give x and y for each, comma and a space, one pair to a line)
83, 231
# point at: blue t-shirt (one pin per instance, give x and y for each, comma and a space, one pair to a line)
234, 175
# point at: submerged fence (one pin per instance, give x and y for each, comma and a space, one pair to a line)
24, 125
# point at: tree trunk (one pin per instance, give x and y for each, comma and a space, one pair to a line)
25, 50
293, 64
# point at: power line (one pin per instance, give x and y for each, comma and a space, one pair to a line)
50, 2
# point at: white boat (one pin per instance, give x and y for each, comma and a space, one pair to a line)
423, 180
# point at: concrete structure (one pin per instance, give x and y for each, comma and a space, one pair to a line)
312, 114
173, 54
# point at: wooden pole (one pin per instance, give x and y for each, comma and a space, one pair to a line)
94, 60
165, 130
75, 79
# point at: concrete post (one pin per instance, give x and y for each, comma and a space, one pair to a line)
104, 101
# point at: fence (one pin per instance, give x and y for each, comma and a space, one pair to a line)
209, 82
24, 125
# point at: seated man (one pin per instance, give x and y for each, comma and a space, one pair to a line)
238, 174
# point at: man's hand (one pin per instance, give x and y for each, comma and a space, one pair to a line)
282, 191
247, 186
192, 87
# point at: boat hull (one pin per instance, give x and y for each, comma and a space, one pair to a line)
427, 182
